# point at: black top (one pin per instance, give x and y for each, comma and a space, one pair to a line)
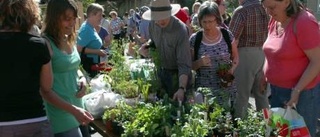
21, 57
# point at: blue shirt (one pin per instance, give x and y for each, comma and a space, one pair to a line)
89, 38
144, 29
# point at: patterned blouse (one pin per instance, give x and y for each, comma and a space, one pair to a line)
207, 76
116, 26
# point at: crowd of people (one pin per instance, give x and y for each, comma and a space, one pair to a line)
263, 43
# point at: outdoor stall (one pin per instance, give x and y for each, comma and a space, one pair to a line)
125, 103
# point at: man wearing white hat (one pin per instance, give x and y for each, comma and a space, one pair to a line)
171, 39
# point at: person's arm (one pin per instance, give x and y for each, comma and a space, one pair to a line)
107, 41
202, 62
84, 39
46, 80
144, 49
235, 56
99, 52
184, 63
308, 75
179, 95
82, 83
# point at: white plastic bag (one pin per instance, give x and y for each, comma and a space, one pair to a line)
289, 122
100, 84
96, 102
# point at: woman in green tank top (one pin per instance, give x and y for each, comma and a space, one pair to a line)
59, 29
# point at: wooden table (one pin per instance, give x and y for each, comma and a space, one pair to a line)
98, 125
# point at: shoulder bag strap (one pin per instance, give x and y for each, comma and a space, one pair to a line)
226, 37
197, 44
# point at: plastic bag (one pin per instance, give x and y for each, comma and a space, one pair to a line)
288, 122
100, 84
96, 102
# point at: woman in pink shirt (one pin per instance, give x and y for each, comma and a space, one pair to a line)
292, 64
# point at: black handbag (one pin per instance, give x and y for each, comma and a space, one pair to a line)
87, 63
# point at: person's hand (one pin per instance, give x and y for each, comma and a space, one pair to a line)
179, 95
82, 116
231, 70
263, 85
294, 98
102, 53
82, 90
143, 50
206, 61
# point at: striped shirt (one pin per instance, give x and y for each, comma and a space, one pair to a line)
249, 24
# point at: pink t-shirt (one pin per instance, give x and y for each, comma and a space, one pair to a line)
285, 57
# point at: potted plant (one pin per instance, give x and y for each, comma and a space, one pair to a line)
114, 118
253, 125
150, 118
226, 78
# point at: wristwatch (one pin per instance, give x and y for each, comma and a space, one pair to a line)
183, 88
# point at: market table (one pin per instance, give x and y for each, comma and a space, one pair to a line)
101, 128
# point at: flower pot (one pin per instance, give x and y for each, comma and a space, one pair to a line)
114, 127
131, 101
226, 80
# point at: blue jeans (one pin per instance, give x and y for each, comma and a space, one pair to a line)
75, 132
308, 105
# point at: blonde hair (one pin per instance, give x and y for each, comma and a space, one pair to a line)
18, 14
198, 4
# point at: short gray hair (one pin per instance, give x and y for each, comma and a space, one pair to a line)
209, 8
94, 8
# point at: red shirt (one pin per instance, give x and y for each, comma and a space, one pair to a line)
285, 57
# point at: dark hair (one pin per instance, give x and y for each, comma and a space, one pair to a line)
209, 8
18, 14
293, 8
56, 10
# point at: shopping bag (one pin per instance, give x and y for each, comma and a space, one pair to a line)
97, 102
288, 122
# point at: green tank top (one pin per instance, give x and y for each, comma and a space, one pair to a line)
64, 67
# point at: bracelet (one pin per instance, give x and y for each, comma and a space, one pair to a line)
183, 88
296, 90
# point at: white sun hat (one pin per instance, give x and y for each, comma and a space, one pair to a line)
161, 9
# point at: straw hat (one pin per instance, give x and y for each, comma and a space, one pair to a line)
160, 9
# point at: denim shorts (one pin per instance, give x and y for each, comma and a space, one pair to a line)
308, 105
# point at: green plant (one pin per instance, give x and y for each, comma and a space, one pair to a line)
129, 89
253, 124
144, 88
121, 113
86, 3
223, 69
193, 124
149, 120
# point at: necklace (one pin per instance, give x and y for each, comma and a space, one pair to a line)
282, 26
211, 40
